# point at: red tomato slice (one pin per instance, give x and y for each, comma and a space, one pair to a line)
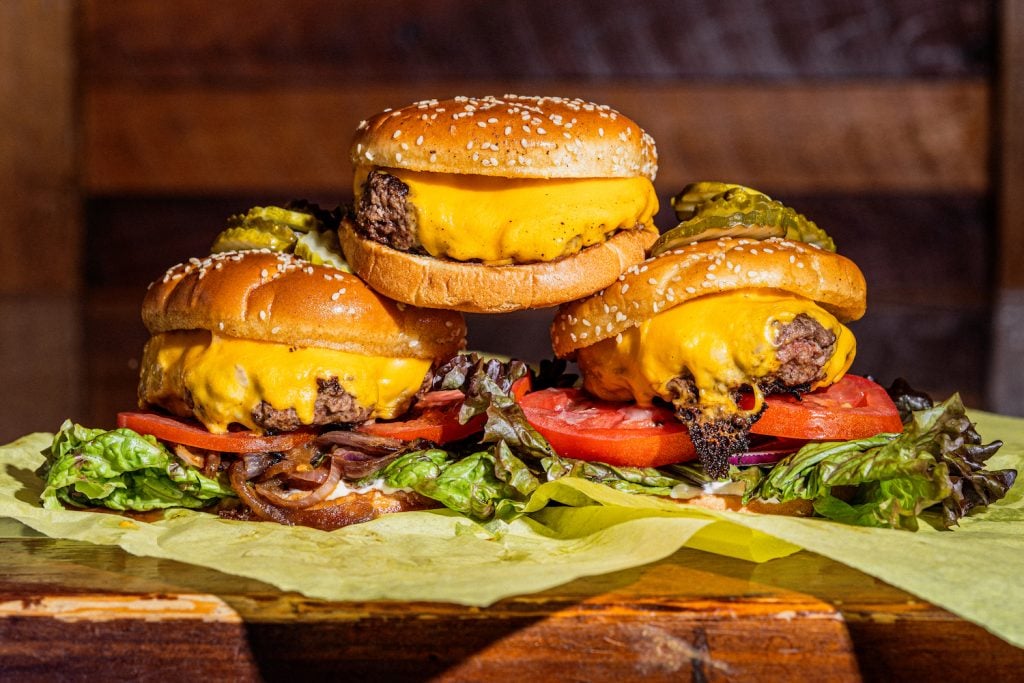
852, 408
436, 418
192, 434
578, 426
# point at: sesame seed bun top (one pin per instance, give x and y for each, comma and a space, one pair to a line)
832, 281
274, 297
511, 136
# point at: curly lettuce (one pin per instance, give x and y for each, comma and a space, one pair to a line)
888, 480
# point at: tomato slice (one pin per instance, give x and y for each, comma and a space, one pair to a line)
579, 426
434, 423
852, 408
436, 418
189, 433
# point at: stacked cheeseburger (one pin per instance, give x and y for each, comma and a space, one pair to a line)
311, 372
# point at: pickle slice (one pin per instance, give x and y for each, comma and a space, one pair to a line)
321, 248
244, 238
695, 194
259, 216
714, 210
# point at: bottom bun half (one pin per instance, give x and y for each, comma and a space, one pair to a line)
478, 288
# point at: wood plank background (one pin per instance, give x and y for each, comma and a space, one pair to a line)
882, 120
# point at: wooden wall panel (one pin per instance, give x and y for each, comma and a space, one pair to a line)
1006, 381
38, 192
266, 42
915, 136
40, 232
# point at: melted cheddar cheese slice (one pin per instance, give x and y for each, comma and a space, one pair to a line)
724, 341
505, 220
227, 378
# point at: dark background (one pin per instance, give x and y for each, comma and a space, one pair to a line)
135, 128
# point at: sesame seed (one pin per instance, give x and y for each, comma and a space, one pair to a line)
263, 315
419, 140
625, 288
396, 135
652, 281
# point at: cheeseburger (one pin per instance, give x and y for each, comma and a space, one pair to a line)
499, 204
266, 350
712, 324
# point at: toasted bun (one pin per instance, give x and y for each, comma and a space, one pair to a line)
510, 136
356, 508
265, 296
834, 282
793, 508
478, 288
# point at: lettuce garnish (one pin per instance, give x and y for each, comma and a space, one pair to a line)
121, 470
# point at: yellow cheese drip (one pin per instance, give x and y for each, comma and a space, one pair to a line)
511, 220
722, 340
227, 378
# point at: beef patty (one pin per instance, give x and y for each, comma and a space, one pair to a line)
333, 405
383, 213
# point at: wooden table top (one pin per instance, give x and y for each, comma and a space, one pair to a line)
89, 611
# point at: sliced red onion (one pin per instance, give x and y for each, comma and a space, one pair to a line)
356, 464
761, 457
366, 443
240, 483
272, 491
255, 464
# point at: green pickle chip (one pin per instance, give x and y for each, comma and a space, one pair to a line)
711, 210
300, 221
288, 230
246, 237
321, 248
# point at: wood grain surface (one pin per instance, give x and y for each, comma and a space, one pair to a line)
865, 136
694, 616
263, 42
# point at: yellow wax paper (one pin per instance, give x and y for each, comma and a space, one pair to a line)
973, 571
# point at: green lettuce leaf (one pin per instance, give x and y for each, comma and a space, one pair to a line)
888, 480
483, 485
121, 470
